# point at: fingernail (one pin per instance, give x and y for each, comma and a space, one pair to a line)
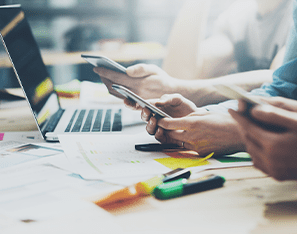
150, 122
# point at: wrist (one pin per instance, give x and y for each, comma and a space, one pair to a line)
198, 91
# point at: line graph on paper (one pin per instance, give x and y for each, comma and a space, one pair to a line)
109, 156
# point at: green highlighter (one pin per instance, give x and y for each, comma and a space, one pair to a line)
183, 187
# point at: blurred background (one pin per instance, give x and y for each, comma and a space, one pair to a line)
73, 26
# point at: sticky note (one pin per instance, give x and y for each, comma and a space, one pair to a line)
238, 157
183, 159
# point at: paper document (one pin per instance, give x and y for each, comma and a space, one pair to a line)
13, 153
109, 156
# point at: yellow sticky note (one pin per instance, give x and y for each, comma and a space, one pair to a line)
183, 162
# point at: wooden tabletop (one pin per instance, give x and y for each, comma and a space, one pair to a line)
249, 202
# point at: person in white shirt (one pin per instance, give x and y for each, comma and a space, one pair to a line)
251, 38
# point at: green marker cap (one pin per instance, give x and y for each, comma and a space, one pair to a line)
170, 189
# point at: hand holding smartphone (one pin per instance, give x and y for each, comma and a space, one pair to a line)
234, 92
101, 61
134, 97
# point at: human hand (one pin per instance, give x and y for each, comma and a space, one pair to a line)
147, 81
280, 102
272, 152
173, 104
202, 131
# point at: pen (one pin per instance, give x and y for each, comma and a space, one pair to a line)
183, 187
142, 188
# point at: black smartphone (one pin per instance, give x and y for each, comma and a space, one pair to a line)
101, 61
134, 97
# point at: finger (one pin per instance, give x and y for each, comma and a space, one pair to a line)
177, 136
152, 126
110, 89
175, 123
242, 107
256, 154
111, 77
258, 162
248, 130
274, 116
115, 77
281, 102
131, 104
240, 119
146, 114
161, 136
142, 70
252, 141
256, 150
182, 138
170, 99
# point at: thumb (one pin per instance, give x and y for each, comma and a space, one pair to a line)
170, 99
142, 70
274, 115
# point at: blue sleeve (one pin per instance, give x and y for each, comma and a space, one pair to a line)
291, 47
285, 78
284, 84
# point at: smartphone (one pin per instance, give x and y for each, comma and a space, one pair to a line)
234, 92
101, 61
134, 97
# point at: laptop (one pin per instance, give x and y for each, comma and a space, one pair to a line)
38, 87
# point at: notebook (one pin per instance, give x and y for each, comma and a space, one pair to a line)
38, 87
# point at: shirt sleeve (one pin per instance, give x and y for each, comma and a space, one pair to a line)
284, 84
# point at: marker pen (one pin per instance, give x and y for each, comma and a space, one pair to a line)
183, 187
142, 188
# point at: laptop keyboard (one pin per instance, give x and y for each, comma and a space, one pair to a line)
54, 120
94, 122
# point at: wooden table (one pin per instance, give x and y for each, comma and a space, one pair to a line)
249, 202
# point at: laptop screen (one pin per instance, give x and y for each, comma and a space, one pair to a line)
26, 60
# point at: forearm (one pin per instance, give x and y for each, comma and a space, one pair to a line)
202, 92
183, 49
